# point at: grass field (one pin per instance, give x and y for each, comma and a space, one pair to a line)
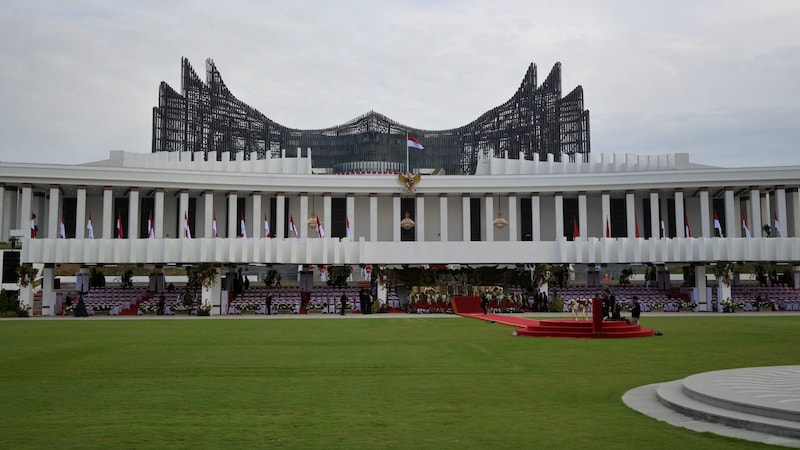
348, 383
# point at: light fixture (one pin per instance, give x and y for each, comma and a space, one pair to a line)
407, 223
499, 222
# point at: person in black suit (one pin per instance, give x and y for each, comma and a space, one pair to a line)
343, 300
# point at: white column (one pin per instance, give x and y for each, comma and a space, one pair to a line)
302, 226
766, 210
208, 213
465, 216
109, 221
703, 302
48, 294
158, 214
280, 218
536, 224
397, 216
373, 217
258, 219
705, 214
605, 204
755, 211
655, 215
731, 224
488, 216
420, 219
443, 217
3, 237
133, 213
559, 215
680, 214
80, 213
53, 217
25, 210
183, 211
233, 219
630, 213
583, 215
780, 210
794, 201
350, 209
327, 207
513, 232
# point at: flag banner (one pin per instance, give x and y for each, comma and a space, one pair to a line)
292, 228
608, 228
266, 226
186, 231
320, 230
242, 227
151, 233
62, 229
717, 225
412, 142
745, 226
33, 225
90, 228
214, 226
686, 225
348, 231
663, 226
636, 221
777, 227
576, 232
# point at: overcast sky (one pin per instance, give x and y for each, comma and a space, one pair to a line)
717, 79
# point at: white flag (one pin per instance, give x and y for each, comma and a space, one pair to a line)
320, 230
746, 228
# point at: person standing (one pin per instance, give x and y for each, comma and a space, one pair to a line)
161, 304
636, 310
343, 300
269, 304
484, 303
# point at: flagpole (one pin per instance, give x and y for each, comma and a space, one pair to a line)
408, 170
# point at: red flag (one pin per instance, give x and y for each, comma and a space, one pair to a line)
214, 225
348, 231
576, 232
717, 225
187, 232
33, 225
638, 235
62, 229
90, 227
291, 226
119, 225
266, 226
242, 227
745, 226
151, 233
412, 142
320, 230
608, 228
663, 227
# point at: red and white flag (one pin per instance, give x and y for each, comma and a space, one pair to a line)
151, 232
242, 227
576, 232
90, 227
62, 229
686, 225
745, 226
608, 228
778, 227
120, 234
413, 142
320, 230
33, 225
348, 231
292, 228
266, 226
663, 226
717, 225
187, 232
214, 225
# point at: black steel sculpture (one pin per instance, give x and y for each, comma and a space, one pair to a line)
534, 123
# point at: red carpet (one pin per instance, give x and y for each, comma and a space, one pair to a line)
471, 307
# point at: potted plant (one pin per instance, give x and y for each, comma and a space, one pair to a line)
26, 274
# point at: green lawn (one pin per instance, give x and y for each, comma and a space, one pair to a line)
346, 383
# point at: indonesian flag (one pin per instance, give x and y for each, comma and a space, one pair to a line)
608, 228
187, 232
576, 232
636, 222
242, 227
777, 227
266, 226
686, 225
151, 232
214, 225
62, 229
320, 230
663, 226
120, 234
33, 225
717, 225
413, 142
348, 231
745, 226
89, 227
292, 228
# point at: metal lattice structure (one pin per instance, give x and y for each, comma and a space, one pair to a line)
534, 123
